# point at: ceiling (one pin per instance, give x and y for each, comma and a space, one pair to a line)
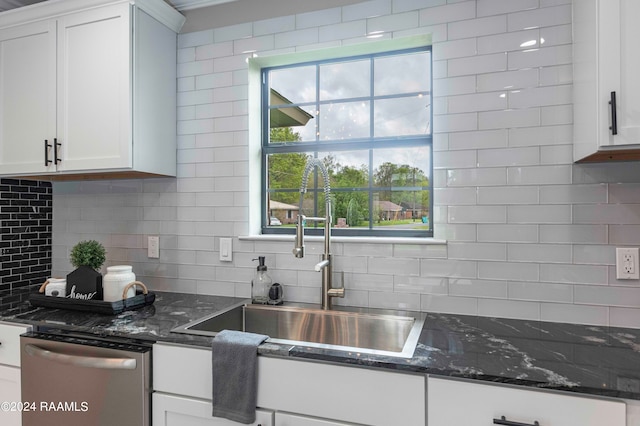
178, 4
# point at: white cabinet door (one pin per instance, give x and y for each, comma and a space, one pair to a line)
620, 67
10, 393
605, 60
27, 97
171, 410
94, 104
456, 402
285, 419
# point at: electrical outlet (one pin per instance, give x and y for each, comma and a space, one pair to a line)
153, 247
627, 264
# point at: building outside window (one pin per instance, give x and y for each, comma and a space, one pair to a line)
368, 119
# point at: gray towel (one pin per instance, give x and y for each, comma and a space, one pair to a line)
235, 375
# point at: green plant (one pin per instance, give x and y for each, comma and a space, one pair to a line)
88, 253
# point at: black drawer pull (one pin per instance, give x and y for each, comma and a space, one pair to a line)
46, 153
503, 421
614, 115
56, 144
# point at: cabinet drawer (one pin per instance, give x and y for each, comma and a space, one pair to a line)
171, 410
10, 343
459, 402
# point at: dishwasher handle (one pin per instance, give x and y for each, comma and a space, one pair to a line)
82, 361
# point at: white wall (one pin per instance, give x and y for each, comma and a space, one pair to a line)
530, 235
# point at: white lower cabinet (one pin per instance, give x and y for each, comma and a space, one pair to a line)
298, 392
286, 419
10, 390
171, 410
460, 402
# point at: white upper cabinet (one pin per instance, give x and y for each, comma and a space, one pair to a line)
606, 66
88, 93
27, 97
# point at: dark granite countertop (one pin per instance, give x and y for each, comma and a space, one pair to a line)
576, 358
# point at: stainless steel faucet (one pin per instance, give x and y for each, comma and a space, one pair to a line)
328, 292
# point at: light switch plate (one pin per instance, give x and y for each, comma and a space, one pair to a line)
226, 250
153, 247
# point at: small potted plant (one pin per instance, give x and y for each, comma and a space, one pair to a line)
85, 282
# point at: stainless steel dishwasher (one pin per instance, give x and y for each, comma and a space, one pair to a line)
76, 379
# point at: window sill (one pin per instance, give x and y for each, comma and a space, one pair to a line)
360, 240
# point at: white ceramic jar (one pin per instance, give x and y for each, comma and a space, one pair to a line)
114, 282
56, 287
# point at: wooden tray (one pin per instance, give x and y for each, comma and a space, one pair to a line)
142, 298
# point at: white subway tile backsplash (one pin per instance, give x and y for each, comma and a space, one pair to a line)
577, 274
539, 175
509, 309
495, 7
508, 233
539, 214
478, 27
556, 154
448, 13
573, 194
509, 118
478, 288
477, 177
454, 86
534, 97
543, 135
395, 22
477, 251
454, 159
478, 139
568, 313
477, 214
477, 64
454, 49
507, 80
543, 17
449, 304
545, 56
540, 292
476, 102
527, 156
506, 42
508, 271
508, 195
547, 253
366, 9
529, 234
274, 25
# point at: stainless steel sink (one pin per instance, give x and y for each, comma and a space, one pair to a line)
358, 330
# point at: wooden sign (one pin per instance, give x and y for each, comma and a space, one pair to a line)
84, 283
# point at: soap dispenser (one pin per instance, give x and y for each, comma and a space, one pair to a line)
261, 283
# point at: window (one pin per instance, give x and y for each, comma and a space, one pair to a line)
368, 119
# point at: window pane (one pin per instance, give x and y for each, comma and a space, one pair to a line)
409, 73
405, 167
292, 85
402, 116
344, 80
292, 124
281, 210
350, 209
406, 210
345, 120
347, 169
285, 172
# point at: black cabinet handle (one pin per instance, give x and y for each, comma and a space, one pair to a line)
614, 115
503, 421
56, 144
46, 153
